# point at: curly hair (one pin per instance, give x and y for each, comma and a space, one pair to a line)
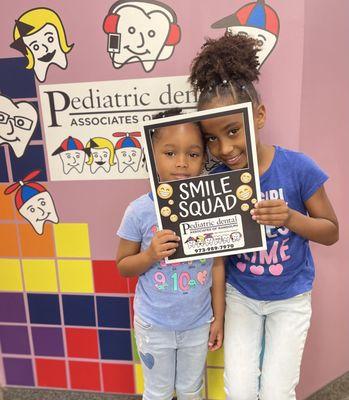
226, 67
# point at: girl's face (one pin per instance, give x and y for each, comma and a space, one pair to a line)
225, 136
179, 152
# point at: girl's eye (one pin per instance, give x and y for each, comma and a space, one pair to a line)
233, 132
170, 153
211, 139
194, 155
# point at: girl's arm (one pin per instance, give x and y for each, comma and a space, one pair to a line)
218, 304
132, 262
320, 226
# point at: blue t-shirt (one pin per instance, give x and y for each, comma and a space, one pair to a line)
171, 296
286, 268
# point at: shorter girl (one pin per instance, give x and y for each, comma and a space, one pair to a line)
173, 319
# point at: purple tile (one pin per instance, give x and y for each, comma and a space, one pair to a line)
48, 341
12, 307
14, 339
18, 371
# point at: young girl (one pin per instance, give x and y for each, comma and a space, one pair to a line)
268, 296
173, 322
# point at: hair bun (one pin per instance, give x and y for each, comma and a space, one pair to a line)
233, 57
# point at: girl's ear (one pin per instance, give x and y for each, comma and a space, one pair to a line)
260, 116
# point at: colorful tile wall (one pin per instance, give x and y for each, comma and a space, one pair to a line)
65, 319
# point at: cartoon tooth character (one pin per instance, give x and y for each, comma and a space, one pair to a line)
100, 153
257, 20
128, 151
72, 154
33, 202
39, 35
17, 124
141, 31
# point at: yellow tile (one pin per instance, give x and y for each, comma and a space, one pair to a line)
215, 384
139, 379
75, 276
216, 358
10, 275
40, 275
72, 240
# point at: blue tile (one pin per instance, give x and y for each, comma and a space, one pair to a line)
37, 132
79, 310
115, 345
32, 159
3, 167
16, 81
44, 309
113, 312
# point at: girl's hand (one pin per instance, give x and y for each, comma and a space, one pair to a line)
215, 339
163, 244
271, 212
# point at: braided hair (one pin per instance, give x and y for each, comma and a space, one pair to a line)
226, 67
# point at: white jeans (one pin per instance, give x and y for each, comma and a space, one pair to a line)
172, 360
282, 327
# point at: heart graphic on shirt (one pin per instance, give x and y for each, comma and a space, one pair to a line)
241, 266
257, 269
201, 277
276, 269
148, 359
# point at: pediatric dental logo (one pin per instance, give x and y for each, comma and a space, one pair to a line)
128, 151
39, 35
17, 124
141, 31
257, 20
34, 202
100, 153
72, 154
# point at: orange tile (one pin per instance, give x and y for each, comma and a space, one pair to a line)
8, 242
6, 204
34, 245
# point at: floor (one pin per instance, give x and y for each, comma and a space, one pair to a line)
336, 390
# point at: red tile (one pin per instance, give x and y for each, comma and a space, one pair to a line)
107, 278
51, 373
84, 375
82, 343
118, 378
132, 282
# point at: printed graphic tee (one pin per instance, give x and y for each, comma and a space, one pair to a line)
286, 268
172, 296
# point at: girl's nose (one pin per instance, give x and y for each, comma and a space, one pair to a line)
225, 148
182, 161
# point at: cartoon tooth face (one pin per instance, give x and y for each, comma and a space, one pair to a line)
17, 124
39, 209
141, 31
72, 154
39, 35
33, 202
257, 20
101, 154
128, 152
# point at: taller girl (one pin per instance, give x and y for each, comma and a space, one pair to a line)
268, 297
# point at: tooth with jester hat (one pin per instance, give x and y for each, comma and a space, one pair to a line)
33, 202
72, 154
128, 151
257, 20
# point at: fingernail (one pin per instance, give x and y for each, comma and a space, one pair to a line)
254, 217
252, 212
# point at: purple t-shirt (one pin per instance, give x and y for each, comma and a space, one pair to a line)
286, 268
172, 296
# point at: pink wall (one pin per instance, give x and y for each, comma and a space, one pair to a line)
324, 135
